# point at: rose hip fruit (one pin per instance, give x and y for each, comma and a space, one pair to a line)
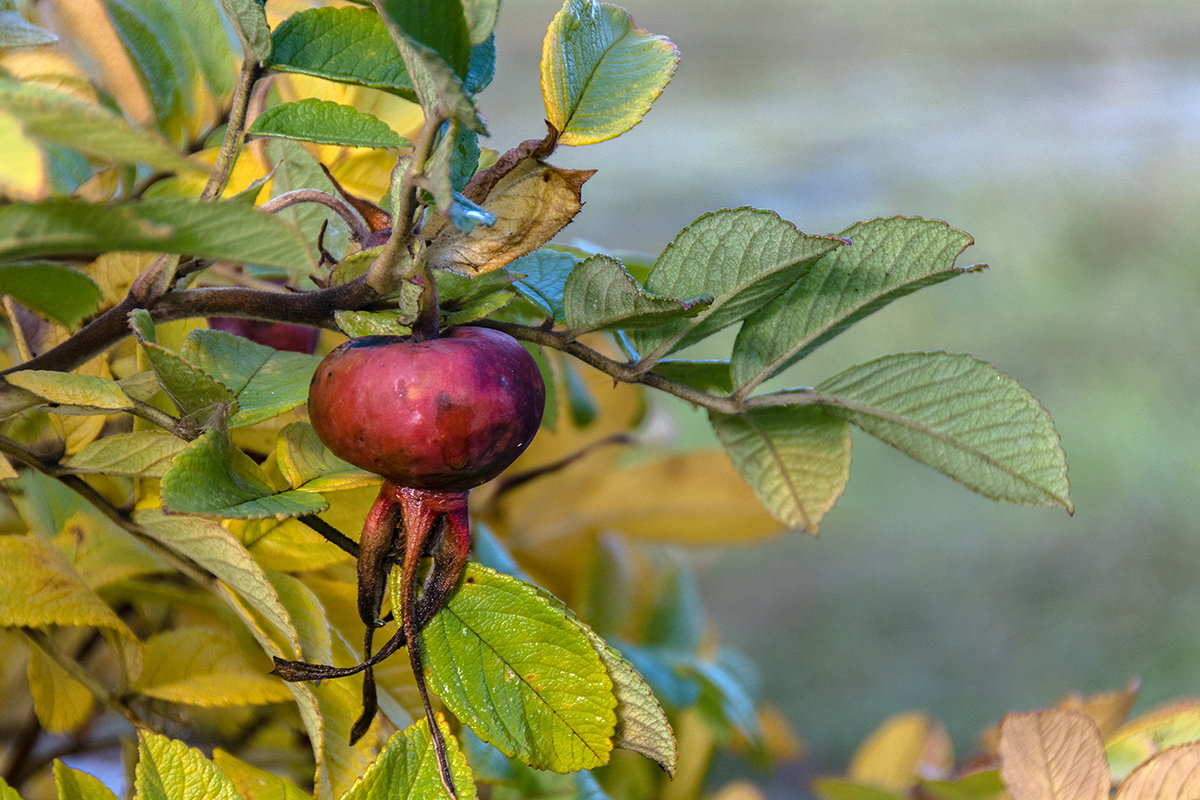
445, 414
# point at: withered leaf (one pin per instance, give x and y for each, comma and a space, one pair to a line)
532, 202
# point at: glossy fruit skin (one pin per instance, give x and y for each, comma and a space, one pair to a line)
444, 414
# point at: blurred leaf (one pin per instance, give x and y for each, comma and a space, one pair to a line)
141, 454
215, 549
200, 667
642, 725
691, 498
266, 382
53, 116
837, 789
39, 588
16, 31
1054, 753
439, 25
326, 122
66, 389
511, 663
25, 171
103, 553
741, 258
147, 46
532, 202
481, 18
198, 395
250, 22
228, 231
600, 74
168, 769
795, 458
348, 44
61, 703
703, 375
1109, 710
600, 294
74, 784
984, 785
885, 260
1171, 775
546, 273
1173, 724
725, 694
56, 292
961, 416
891, 757
253, 783
406, 768
302, 457
212, 478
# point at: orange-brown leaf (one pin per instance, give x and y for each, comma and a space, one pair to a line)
1053, 755
1173, 774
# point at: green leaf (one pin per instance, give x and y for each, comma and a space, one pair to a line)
742, 258
407, 770
302, 457
326, 122
886, 260
56, 292
7, 792
265, 381
215, 549
703, 375
53, 116
198, 396
39, 588
199, 667
253, 783
796, 458
228, 231
600, 73
143, 39
642, 725
600, 294
961, 416
74, 784
438, 25
212, 478
348, 45
481, 18
370, 323
545, 281
512, 664
984, 785
16, 31
83, 391
169, 770
437, 82
141, 454
838, 789
250, 23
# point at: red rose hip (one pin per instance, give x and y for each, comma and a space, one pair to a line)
445, 414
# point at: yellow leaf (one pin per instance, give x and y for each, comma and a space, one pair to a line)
39, 588
1053, 755
1175, 723
61, 703
199, 667
532, 202
1173, 774
86, 23
1108, 710
23, 168
899, 752
114, 273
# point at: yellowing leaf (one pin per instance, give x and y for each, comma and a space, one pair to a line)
60, 388
892, 757
532, 202
74, 784
254, 783
1052, 755
39, 588
200, 667
1108, 710
691, 498
61, 703
23, 168
1173, 774
1151, 732
170, 769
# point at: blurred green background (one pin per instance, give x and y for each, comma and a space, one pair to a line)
1065, 136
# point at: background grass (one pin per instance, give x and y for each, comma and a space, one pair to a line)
1065, 136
